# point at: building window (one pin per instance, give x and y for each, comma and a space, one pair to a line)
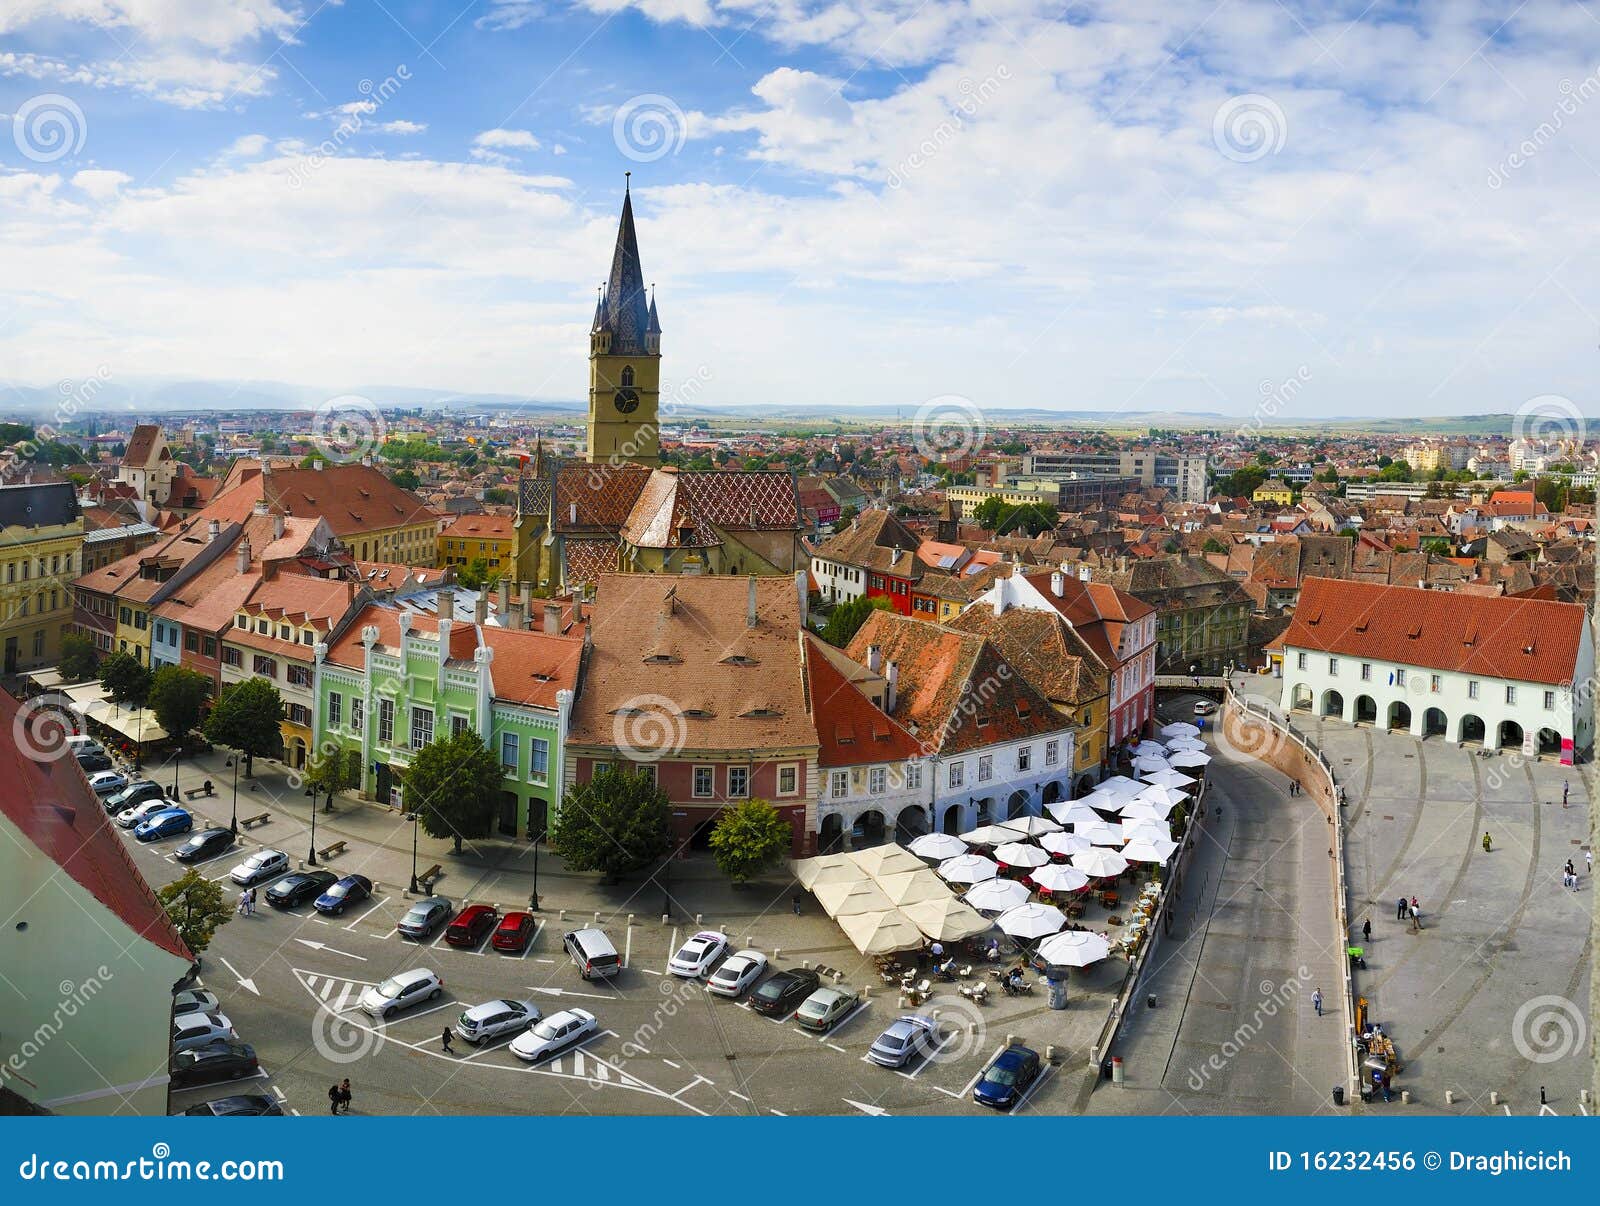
704, 781
1399, 677
538, 758
1511, 694
1024, 757
38, 649
1366, 672
299, 714
839, 784
335, 710
211, 646
985, 767
1052, 752
876, 780
191, 642
1549, 701
958, 774
264, 666
788, 780
230, 656
357, 713
298, 676
386, 722
510, 754
1435, 683
421, 727
458, 725
913, 775
1472, 689
738, 782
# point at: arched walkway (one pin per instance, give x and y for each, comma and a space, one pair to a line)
1510, 736
870, 830
1549, 741
1400, 716
1053, 791
1366, 710
1471, 728
1017, 805
1085, 786
1302, 698
1332, 704
985, 811
911, 823
952, 820
831, 837
1435, 723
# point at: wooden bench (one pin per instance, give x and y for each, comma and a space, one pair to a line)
259, 819
192, 792
330, 851
427, 877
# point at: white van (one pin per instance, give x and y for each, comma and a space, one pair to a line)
592, 953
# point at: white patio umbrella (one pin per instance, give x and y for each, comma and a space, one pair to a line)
968, 869
1149, 747
908, 887
1100, 863
1020, 854
1172, 779
1189, 758
1106, 801
1075, 948
947, 920
1060, 879
1031, 920
1141, 810
1031, 826
989, 835
845, 900
1180, 728
1072, 812
996, 895
1144, 849
1148, 764
937, 846
1184, 743
1121, 785
1101, 833
1064, 843
1146, 829
1163, 799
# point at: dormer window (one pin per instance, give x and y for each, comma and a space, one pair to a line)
739, 659
699, 714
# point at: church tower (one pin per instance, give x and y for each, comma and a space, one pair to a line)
625, 359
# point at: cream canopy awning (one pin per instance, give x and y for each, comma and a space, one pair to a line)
843, 900
826, 869
909, 887
886, 860
947, 920
881, 933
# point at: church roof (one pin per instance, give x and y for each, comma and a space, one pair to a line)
624, 310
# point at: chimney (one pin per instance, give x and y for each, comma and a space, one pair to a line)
244, 555
805, 596
894, 682
367, 460
577, 607
445, 605
1058, 583
480, 610
512, 617
750, 604
277, 525
874, 658
504, 588
266, 467
213, 530
552, 618
317, 464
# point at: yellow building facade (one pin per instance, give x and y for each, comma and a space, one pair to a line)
41, 552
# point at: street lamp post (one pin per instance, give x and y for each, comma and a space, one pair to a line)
177, 756
233, 823
416, 823
311, 854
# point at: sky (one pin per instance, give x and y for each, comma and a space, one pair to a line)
1331, 209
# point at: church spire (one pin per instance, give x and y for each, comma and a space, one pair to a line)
654, 325
626, 312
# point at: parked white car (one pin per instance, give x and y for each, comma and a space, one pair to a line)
696, 956
555, 1032
262, 865
493, 1019
198, 1029
401, 991
738, 972
130, 817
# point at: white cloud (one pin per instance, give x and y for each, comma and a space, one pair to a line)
521, 139
100, 183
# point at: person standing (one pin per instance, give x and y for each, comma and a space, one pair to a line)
1487, 844
796, 902
1566, 787
244, 900
1316, 999
1366, 930
444, 1040
250, 902
1400, 909
344, 1096
333, 1099
1416, 917
1588, 860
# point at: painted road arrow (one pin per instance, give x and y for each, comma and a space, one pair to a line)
567, 992
244, 981
875, 1111
322, 946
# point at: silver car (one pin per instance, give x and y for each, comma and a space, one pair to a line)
424, 916
905, 1039
493, 1019
194, 1000
262, 865
197, 1029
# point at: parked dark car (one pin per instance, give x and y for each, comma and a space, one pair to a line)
208, 843
237, 1106
1005, 1080
352, 889
781, 994
300, 886
136, 793
89, 762
471, 924
223, 1059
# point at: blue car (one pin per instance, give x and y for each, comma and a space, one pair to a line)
1006, 1079
169, 822
352, 889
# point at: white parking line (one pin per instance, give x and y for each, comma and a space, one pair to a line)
670, 1064
551, 1060
995, 1054
673, 948
735, 1093
434, 945
408, 1015
344, 997
650, 971
838, 1048
376, 906
538, 928
1022, 1102
930, 1057
847, 1019
327, 989
627, 948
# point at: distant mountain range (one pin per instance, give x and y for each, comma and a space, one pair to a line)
149, 397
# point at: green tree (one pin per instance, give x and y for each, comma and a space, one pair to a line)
499, 496
475, 574
1395, 471
1213, 545
617, 822
333, 771
79, 658
197, 907
848, 617
246, 719
178, 697
453, 785
1437, 545
1242, 483
748, 838
989, 513
127, 682
1349, 533
847, 515
406, 479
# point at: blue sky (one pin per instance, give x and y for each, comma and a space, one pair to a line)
1099, 206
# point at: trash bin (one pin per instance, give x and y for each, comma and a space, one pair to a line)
1150, 1001
1338, 1095
1105, 1070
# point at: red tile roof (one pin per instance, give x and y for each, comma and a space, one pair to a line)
851, 729
1525, 640
51, 804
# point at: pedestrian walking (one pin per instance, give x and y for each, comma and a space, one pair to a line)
249, 902
1416, 917
244, 900
1571, 870
1487, 844
1588, 860
1316, 999
1566, 787
1400, 909
796, 903
1366, 929
445, 1040
333, 1099
344, 1096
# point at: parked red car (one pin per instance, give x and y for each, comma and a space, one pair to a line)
471, 924
514, 933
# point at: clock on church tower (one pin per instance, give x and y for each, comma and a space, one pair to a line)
625, 359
